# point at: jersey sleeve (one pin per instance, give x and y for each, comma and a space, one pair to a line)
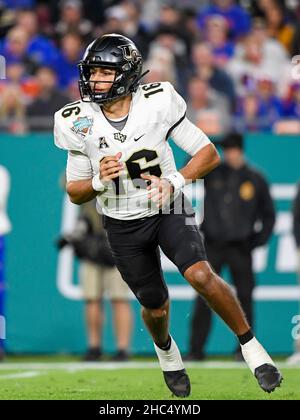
176, 109
78, 166
64, 137
189, 138
184, 133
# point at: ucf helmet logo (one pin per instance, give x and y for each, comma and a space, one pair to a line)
130, 54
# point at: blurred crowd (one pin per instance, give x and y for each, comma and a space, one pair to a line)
235, 62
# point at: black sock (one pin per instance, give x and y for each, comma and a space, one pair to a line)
97, 350
166, 346
244, 338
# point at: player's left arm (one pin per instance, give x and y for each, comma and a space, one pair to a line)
192, 140
204, 159
203, 162
189, 138
196, 143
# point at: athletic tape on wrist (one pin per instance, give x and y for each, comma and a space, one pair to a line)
97, 184
177, 180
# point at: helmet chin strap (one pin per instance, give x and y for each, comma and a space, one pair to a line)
142, 75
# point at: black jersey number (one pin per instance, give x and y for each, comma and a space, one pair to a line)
134, 170
151, 89
69, 110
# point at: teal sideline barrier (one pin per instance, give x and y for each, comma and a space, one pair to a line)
42, 318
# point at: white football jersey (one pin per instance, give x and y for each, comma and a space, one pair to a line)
157, 112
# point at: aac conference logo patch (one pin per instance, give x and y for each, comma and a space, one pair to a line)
83, 126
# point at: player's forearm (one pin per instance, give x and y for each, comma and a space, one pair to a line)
81, 191
201, 163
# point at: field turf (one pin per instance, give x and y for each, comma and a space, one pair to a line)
141, 380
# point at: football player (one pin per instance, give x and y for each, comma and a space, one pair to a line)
118, 151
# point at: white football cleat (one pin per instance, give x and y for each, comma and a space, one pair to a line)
173, 369
261, 365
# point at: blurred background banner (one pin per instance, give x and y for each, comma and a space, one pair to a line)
44, 308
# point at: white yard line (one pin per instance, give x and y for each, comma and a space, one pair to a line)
80, 366
22, 375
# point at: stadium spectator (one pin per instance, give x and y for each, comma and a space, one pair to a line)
168, 39
125, 18
291, 104
262, 6
169, 15
134, 27
100, 278
270, 103
47, 102
161, 63
278, 26
40, 49
219, 60
5, 228
295, 47
44, 16
171, 20
251, 116
236, 197
72, 20
66, 64
295, 357
253, 60
203, 100
190, 27
204, 67
12, 110
7, 20
15, 49
16, 75
216, 34
272, 49
237, 17
152, 9
115, 20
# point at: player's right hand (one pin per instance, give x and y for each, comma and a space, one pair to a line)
110, 168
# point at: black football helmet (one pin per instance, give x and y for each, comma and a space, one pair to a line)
116, 52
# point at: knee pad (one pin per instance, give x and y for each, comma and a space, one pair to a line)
152, 297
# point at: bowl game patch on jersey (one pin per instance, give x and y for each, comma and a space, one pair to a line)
83, 126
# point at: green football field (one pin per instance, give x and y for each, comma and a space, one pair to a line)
141, 380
